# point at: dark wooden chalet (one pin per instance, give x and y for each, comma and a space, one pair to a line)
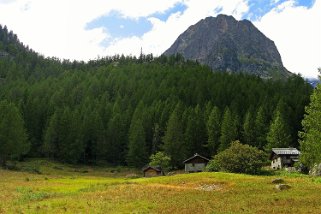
197, 163
152, 171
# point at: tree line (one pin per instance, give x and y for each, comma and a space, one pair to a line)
120, 110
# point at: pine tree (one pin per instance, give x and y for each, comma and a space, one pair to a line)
261, 127
13, 136
311, 135
51, 137
228, 130
249, 129
92, 134
214, 131
110, 149
278, 135
72, 146
195, 132
174, 139
137, 155
63, 136
156, 142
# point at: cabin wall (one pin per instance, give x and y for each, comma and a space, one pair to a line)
276, 163
194, 167
279, 162
151, 173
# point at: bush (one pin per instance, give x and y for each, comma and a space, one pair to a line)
238, 158
160, 159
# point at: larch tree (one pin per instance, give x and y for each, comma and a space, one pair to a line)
174, 139
311, 135
228, 130
261, 127
278, 135
214, 130
13, 136
137, 155
249, 129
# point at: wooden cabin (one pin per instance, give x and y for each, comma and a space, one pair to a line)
152, 171
196, 163
284, 157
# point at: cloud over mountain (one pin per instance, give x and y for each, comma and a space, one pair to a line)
85, 29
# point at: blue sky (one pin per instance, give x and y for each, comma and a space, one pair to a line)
86, 29
119, 26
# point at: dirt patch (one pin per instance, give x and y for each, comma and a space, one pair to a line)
209, 187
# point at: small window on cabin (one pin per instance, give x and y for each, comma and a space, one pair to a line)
193, 164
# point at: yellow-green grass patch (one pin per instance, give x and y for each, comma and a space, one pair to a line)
98, 192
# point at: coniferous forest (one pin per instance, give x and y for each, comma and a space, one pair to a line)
121, 109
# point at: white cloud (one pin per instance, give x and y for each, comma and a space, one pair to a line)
57, 27
296, 32
164, 33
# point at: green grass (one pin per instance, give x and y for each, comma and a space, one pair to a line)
67, 189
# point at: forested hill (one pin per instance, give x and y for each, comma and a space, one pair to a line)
123, 109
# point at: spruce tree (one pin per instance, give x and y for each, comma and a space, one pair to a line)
13, 136
228, 130
195, 132
249, 129
311, 134
51, 137
137, 155
261, 127
278, 135
174, 139
214, 131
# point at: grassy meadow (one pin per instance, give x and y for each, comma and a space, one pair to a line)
47, 187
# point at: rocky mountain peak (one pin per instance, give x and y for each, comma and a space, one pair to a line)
226, 44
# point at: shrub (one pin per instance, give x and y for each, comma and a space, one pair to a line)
160, 159
238, 158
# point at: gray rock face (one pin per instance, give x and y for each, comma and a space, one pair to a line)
226, 44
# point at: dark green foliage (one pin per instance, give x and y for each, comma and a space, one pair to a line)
249, 129
160, 159
311, 135
63, 137
261, 127
228, 130
239, 158
174, 138
278, 135
214, 130
137, 155
13, 136
83, 112
195, 132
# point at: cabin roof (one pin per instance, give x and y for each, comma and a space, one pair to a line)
156, 168
286, 151
195, 156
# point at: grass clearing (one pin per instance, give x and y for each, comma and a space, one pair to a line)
66, 189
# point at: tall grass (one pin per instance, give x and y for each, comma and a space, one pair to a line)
66, 189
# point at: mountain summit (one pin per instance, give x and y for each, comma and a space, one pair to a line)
225, 44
